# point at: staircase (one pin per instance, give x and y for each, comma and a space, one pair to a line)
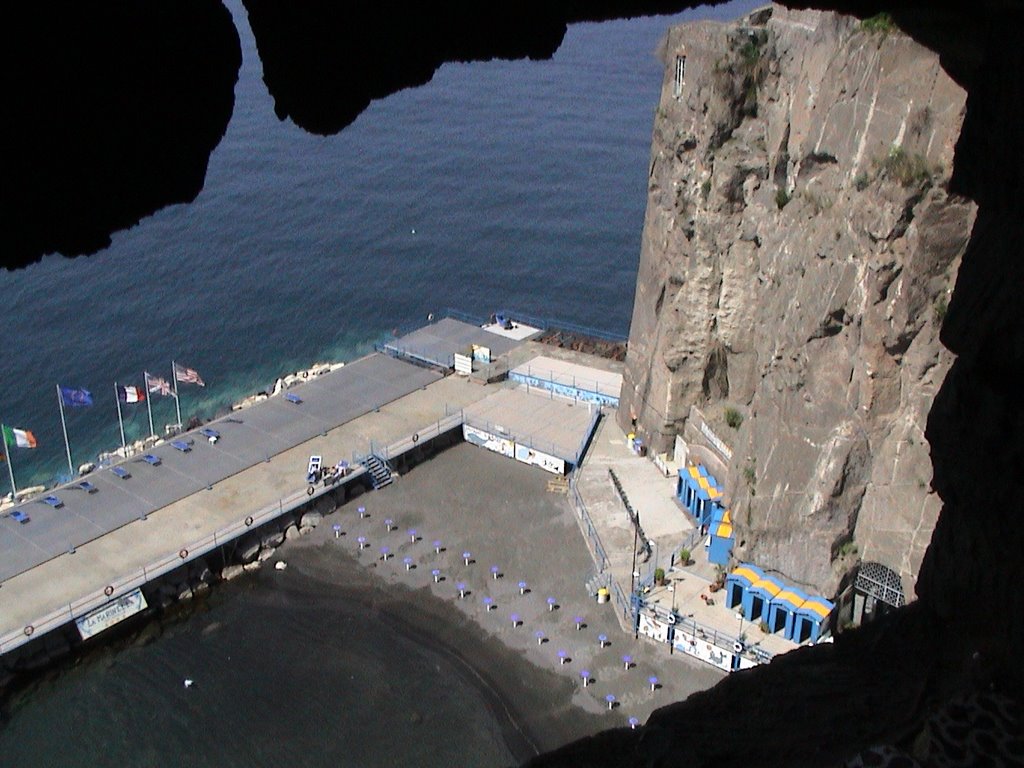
380, 473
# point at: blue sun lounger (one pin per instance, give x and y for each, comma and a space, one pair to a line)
181, 445
152, 460
53, 501
20, 516
121, 472
209, 434
86, 486
291, 397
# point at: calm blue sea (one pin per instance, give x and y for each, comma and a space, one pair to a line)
498, 184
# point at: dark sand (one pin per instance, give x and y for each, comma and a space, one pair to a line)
501, 512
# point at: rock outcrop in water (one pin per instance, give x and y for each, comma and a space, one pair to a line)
798, 254
113, 110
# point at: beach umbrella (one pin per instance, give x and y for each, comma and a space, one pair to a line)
579, 623
461, 586
467, 556
494, 572
602, 639
436, 573
654, 683
522, 587
515, 620
562, 655
337, 530
540, 636
627, 661
585, 674
362, 542
408, 562
611, 701
437, 547
552, 603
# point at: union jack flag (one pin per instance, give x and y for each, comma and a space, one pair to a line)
159, 386
187, 375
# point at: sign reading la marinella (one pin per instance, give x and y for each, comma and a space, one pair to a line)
110, 614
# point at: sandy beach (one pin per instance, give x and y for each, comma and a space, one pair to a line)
525, 647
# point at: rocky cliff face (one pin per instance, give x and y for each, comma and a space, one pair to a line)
799, 249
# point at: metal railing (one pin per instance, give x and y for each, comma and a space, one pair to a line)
543, 446
186, 553
723, 640
593, 540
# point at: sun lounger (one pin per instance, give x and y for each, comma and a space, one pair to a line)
291, 397
121, 472
20, 516
152, 460
88, 487
211, 434
53, 501
181, 445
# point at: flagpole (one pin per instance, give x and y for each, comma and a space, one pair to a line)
120, 423
149, 405
64, 427
177, 400
10, 466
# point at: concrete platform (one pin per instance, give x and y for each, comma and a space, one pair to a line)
437, 343
566, 373
122, 558
650, 493
247, 437
549, 424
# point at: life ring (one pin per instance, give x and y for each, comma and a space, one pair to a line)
29, 630
183, 554
415, 436
309, 490
671, 619
248, 521
305, 374
108, 591
737, 647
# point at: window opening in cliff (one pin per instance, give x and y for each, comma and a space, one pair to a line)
877, 590
677, 83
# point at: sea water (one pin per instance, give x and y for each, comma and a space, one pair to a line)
498, 184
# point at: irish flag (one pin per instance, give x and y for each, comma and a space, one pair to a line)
20, 438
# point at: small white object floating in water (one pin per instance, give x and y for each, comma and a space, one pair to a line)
188, 682
280, 565
414, 231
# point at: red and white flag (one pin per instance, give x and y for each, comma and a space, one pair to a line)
187, 375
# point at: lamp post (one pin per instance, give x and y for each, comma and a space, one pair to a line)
671, 644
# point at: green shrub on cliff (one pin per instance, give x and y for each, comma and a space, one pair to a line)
733, 418
880, 23
906, 168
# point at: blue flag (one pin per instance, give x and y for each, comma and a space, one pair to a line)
75, 397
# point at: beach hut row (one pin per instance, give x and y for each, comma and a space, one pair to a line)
699, 491
766, 598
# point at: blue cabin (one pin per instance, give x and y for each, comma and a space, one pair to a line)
737, 583
811, 618
759, 595
783, 609
722, 538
